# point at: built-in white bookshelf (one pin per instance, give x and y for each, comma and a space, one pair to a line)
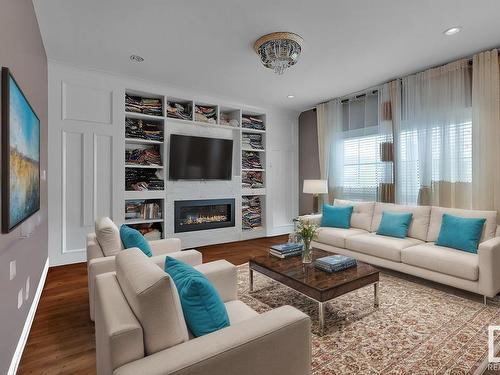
177, 112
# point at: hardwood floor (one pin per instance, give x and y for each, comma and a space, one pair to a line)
62, 341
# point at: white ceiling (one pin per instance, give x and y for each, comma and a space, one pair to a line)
207, 45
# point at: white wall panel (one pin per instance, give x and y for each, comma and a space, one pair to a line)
86, 103
103, 172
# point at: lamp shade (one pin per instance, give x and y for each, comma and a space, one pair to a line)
315, 186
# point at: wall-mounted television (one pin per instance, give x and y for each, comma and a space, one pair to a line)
200, 158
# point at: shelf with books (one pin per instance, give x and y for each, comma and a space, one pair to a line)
180, 109
143, 105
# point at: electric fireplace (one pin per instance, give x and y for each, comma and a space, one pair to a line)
191, 215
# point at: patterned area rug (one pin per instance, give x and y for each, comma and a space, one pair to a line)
419, 328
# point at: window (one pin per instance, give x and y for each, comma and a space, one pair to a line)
363, 170
451, 158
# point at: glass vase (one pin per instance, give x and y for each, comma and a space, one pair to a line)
307, 252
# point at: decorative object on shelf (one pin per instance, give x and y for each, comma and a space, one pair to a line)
253, 141
226, 120
20, 155
205, 114
143, 129
149, 156
252, 180
179, 110
250, 160
140, 179
307, 231
147, 106
315, 187
252, 122
151, 232
251, 212
279, 51
143, 210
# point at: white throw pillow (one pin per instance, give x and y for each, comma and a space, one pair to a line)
108, 236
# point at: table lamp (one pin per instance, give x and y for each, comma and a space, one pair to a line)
315, 187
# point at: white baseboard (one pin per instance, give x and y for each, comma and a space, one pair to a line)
16, 358
283, 229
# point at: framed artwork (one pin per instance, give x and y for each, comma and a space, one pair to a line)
20, 155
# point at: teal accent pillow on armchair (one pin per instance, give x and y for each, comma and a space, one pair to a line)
202, 306
133, 238
461, 233
395, 224
336, 216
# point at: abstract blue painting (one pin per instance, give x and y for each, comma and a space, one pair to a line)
22, 178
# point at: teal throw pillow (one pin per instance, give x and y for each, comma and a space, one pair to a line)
133, 238
202, 306
395, 224
336, 216
461, 233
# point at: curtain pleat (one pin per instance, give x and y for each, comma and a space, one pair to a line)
486, 131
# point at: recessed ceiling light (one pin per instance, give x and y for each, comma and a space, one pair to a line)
136, 58
290, 96
452, 30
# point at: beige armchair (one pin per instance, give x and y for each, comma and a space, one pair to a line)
140, 327
105, 243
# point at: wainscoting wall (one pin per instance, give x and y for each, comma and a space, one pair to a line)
86, 161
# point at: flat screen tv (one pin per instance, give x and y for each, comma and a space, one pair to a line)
200, 158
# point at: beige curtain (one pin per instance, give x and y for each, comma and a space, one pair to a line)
486, 131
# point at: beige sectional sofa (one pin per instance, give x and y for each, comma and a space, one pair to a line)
140, 327
418, 254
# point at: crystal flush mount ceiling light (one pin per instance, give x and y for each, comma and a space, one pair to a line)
279, 51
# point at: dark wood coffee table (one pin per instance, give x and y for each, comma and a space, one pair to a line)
314, 283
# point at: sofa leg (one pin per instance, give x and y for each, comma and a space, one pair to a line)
485, 300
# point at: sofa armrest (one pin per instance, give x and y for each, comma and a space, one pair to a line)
95, 267
93, 248
276, 342
489, 266
192, 257
313, 218
165, 246
223, 276
119, 336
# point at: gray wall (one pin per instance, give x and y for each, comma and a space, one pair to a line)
308, 157
22, 51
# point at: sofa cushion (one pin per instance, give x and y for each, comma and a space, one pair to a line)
419, 224
239, 311
443, 260
336, 216
108, 236
437, 216
461, 233
336, 236
394, 224
362, 213
153, 298
202, 306
133, 238
380, 246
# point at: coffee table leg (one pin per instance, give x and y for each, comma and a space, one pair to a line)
375, 295
251, 280
321, 318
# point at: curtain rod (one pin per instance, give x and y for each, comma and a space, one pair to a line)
377, 87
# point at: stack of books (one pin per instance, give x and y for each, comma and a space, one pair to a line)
286, 250
334, 263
